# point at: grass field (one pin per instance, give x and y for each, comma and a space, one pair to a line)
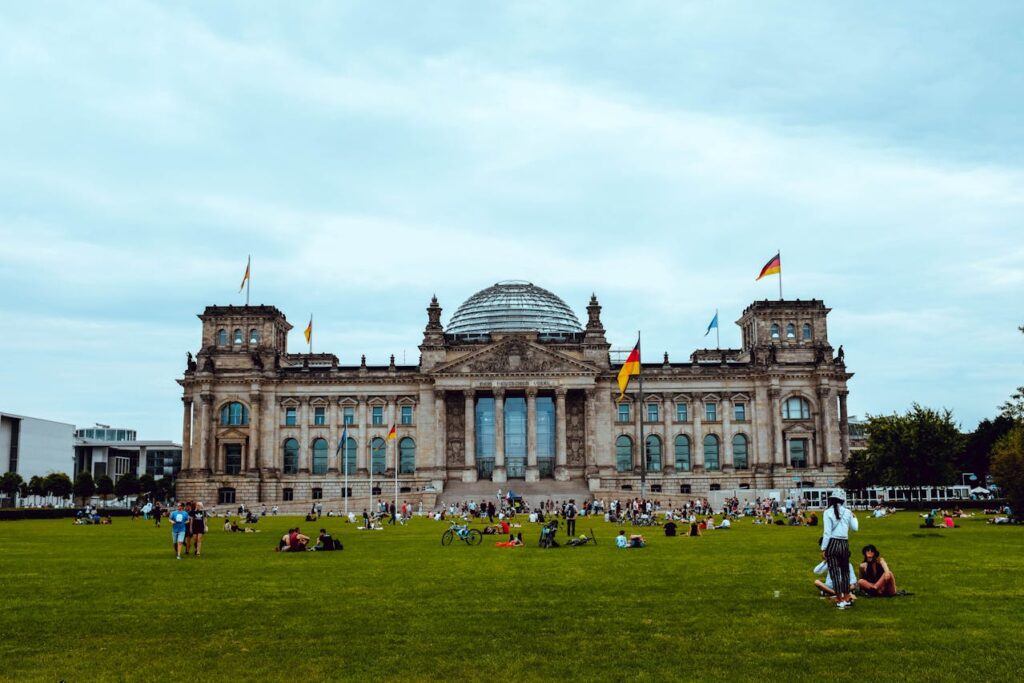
111, 603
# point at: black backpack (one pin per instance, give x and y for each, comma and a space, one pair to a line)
338, 545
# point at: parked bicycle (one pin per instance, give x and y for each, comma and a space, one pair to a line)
463, 533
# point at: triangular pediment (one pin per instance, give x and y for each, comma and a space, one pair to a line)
515, 356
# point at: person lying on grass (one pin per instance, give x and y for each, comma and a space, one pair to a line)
512, 542
875, 577
634, 541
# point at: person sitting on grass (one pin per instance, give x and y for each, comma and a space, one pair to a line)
670, 528
297, 541
324, 542
694, 529
825, 588
282, 545
875, 577
634, 541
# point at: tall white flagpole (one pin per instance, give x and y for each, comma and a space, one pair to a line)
395, 427
344, 455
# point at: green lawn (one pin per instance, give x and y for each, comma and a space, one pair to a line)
111, 603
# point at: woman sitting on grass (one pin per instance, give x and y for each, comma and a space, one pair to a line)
875, 577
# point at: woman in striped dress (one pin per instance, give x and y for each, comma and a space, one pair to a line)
835, 545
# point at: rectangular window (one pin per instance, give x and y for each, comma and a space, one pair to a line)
319, 415
711, 412
739, 411
798, 452
682, 412
287, 494
407, 415
225, 496
652, 412
318, 494
289, 416
348, 415
233, 458
623, 412
378, 415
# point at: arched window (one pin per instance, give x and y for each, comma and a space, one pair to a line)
623, 453
378, 449
320, 456
254, 336
711, 452
349, 452
234, 414
291, 456
807, 332
796, 408
238, 335
739, 452
790, 331
775, 330
682, 453
407, 456
222, 337
653, 453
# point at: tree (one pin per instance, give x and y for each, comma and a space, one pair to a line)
977, 452
147, 484
37, 488
1008, 467
918, 448
10, 484
85, 487
126, 486
105, 487
1014, 408
59, 485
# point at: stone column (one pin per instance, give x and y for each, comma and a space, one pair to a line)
532, 473
725, 455
304, 445
390, 447
439, 431
778, 451
590, 445
668, 450
186, 434
844, 426
256, 405
334, 431
499, 436
363, 449
561, 473
203, 432
270, 448
697, 444
469, 443
824, 451
640, 450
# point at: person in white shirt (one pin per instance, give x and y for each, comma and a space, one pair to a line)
835, 545
826, 586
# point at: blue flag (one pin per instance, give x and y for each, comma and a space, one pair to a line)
713, 324
344, 437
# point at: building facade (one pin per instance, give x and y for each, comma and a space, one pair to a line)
33, 447
513, 390
115, 452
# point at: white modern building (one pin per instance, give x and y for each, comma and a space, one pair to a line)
115, 452
33, 447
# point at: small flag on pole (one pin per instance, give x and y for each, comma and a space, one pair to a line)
629, 368
713, 325
245, 278
344, 437
773, 267
309, 331
392, 434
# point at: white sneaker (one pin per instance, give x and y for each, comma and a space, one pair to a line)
842, 605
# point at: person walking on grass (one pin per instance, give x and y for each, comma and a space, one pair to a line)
157, 514
179, 520
198, 524
835, 545
570, 518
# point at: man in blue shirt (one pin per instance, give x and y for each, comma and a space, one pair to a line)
179, 518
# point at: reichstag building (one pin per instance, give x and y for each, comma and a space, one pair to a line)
514, 391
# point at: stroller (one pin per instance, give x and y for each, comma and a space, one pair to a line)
547, 534
582, 540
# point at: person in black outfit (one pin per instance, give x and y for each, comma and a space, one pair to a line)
490, 511
570, 518
670, 528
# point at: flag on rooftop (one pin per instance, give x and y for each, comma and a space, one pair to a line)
713, 325
629, 368
774, 266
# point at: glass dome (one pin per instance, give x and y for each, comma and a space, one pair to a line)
513, 305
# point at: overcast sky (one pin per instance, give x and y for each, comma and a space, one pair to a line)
371, 155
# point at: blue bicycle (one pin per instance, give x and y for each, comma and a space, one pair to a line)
463, 533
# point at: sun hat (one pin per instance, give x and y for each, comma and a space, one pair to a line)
838, 493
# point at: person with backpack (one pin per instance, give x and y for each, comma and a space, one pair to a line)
835, 545
570, 518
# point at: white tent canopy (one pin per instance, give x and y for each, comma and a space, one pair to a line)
978, 489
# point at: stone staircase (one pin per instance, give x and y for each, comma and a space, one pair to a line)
533, 492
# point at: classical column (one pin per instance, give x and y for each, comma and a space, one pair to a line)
304, 445
270, 446
186, 434
469, 443
532, 473
560, 446
499, 436
334, 431
825, 413
696, 408
778, 451
256, 406
668, 451
844, 426
439, 431
725, 455
390, 447
363, 448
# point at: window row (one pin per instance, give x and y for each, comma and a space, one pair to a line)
806, 333
682, 452
237, 337
653, 412
348, 415
348, 451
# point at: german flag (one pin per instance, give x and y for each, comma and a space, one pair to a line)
309, 330
392, 434
629, 368
773, 267
245, 278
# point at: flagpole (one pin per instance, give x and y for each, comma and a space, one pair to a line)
344, 455
371, 472
718, 327
248, 280
640, 408
780, 274
396, 469
311, 334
